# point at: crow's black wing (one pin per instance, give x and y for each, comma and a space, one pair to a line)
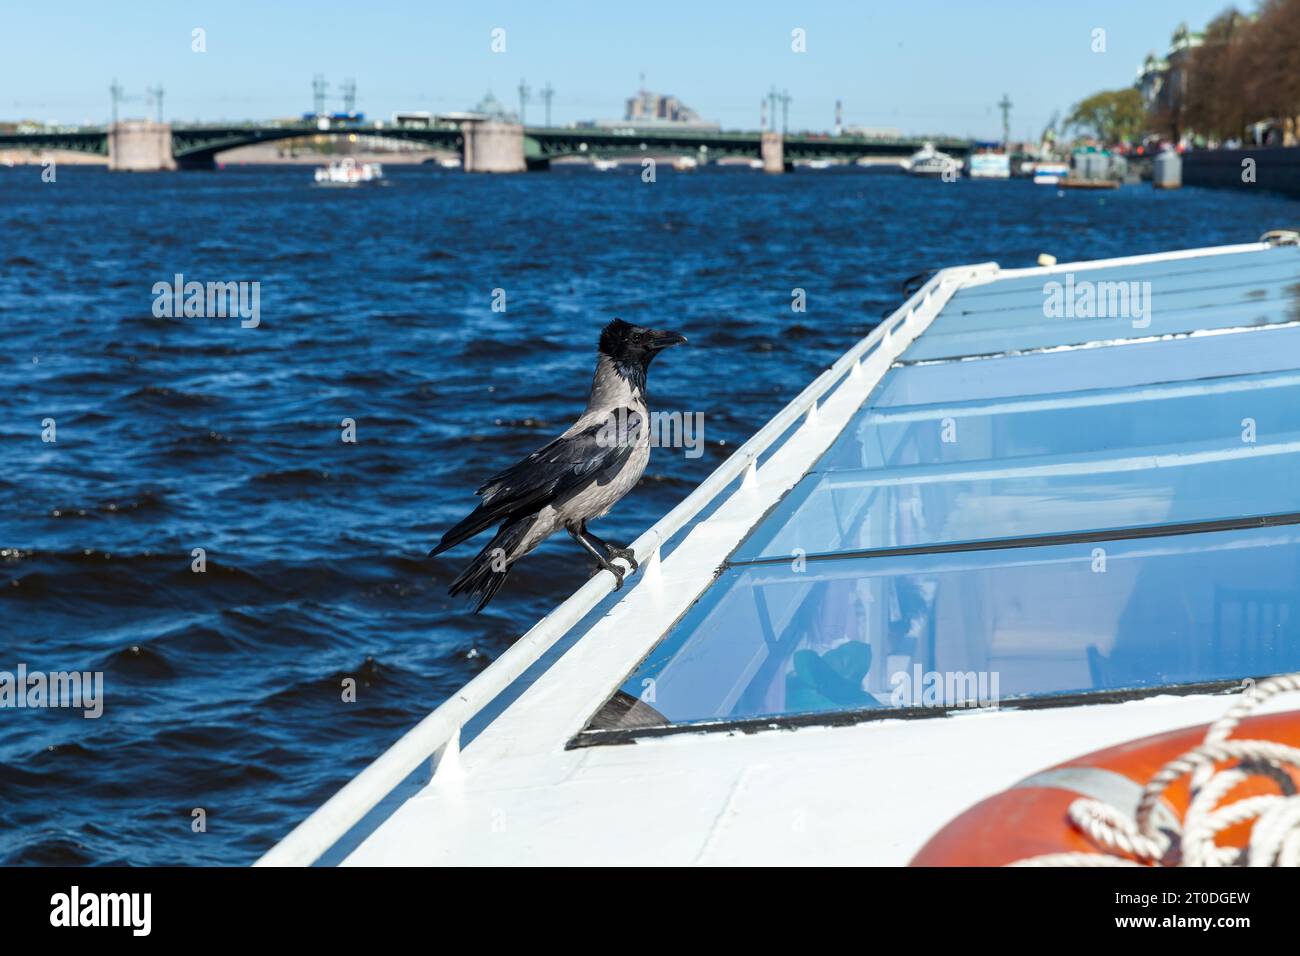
555, 469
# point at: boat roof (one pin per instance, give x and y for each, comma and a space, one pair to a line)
1035, 513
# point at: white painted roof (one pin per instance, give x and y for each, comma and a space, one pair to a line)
867, 794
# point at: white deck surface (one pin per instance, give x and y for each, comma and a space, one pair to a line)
871, 793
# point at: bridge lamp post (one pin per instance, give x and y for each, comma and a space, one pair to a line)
524, 93
115, 91
547, 93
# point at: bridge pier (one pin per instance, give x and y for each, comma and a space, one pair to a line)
772, 149
493, 147
140, 146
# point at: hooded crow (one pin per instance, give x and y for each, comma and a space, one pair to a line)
574, 479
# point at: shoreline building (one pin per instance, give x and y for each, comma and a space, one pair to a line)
1162, 82
650, 110
871, 132
488, 108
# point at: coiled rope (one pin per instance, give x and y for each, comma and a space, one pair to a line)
1138, 841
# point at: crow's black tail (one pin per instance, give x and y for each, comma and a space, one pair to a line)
483, 577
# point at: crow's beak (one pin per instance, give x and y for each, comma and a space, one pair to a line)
661, 339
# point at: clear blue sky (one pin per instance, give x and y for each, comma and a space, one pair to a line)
920, 65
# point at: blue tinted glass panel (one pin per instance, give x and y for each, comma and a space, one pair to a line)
861, 634
1266, 263
922, 506
987, 303
1060, 424
1073, 307
1121, 366
1145, 315
1045, 465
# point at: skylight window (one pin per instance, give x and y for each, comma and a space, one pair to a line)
1028, 530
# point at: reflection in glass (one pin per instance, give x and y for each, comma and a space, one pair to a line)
915, 476
935, 630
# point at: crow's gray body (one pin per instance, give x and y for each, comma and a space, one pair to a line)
574, 479
613, 399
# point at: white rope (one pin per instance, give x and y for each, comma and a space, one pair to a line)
1137, 840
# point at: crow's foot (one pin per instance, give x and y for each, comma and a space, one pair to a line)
625, 553
615, 570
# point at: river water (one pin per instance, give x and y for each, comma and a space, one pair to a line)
183, 442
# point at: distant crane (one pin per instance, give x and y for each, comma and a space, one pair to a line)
785, 111
349, 96
1047, 143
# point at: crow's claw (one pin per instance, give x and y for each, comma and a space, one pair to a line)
627, 555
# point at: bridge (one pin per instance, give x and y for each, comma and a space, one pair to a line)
485, 146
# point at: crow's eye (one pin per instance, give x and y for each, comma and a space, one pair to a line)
638, 337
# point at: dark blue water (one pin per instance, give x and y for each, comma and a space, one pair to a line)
223, 689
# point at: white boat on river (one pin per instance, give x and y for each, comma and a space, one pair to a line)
930, 162
1050, 173
1030, 534
348, 172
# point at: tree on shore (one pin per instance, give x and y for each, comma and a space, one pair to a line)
1218, 75
1273, 80
1246, 71
1112, 116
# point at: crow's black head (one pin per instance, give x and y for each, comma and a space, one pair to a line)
634, 347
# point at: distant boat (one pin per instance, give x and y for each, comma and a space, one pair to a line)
1089, 184
755, 164
990, 166
819, 164
1092, 168
883, 165
451, 162
684, 163
604, 165
928, 161
1050, 174
348, 172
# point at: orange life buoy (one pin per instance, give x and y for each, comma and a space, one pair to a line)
1031, 818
